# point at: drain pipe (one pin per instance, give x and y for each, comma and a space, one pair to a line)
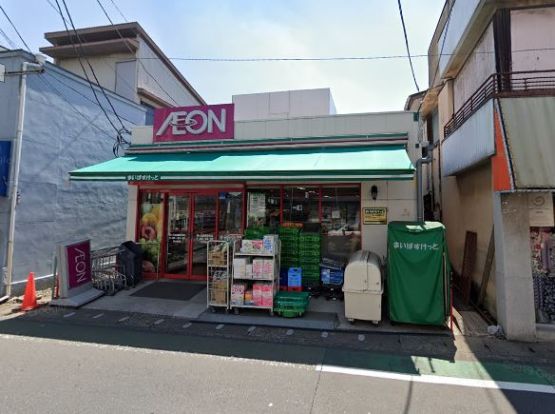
26, 67
419, 190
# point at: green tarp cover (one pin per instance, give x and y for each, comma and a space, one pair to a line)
418, 269
333, 164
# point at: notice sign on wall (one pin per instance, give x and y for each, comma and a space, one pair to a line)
194, 123
374, 215
540, 209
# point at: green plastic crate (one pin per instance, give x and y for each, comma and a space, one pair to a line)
291, 304
310, 238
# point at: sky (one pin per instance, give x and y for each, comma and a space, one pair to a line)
267, 28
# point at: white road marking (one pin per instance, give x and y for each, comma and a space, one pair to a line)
220, 326
100, 315
440, 380
69, 315
187, 325
159, 321
123, 319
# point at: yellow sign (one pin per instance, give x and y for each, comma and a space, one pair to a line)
374, 215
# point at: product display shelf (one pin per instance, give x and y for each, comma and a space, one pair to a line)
274, 282
218, 271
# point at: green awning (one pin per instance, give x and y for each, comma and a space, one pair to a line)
329, 164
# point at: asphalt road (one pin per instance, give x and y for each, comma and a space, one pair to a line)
96, 375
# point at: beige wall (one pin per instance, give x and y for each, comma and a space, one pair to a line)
400, 199
479, 65
533, 29
104, 68
468, 207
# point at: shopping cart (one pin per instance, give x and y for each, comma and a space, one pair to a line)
108, 273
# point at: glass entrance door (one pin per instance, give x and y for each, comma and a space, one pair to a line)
178, 235
204, 229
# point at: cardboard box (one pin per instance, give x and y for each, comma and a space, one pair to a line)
238, 294
270, 242
240, 267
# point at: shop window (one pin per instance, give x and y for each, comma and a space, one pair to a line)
151, 212
263, 207
341, 234
301, 205
231, 213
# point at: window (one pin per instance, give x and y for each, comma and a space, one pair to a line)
301, 204
263, 207
149, 117
231, 213
151, 221
340, 221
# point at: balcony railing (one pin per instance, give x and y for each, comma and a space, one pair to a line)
533, 83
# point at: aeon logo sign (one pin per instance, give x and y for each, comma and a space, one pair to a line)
194, 123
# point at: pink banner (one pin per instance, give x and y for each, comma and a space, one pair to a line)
79, 263
194, 123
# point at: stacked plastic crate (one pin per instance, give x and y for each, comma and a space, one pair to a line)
256, 233
309, 257
289, 237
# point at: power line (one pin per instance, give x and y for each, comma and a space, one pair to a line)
131, 51
120, 140
119, 11
10, 41
15, 28
331, 58
89, 63
407, 45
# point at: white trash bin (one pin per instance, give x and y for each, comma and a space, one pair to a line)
363, 287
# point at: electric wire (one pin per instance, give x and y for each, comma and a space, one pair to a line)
331, 58
120, 140
131, 51
407, 45
119, 11
15, 28
7, 38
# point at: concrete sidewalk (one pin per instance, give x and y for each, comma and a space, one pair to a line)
322, 314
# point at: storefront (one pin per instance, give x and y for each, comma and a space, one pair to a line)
198, 176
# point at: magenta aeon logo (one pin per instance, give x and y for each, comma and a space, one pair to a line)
194, 123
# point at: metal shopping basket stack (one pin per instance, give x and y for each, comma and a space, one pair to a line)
109, 273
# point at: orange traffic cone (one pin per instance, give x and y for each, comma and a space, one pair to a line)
30, 297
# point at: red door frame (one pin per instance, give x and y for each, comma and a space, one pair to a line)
191, 193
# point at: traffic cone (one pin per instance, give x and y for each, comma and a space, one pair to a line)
30, 297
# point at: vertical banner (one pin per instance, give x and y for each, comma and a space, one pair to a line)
79, 263
75, 275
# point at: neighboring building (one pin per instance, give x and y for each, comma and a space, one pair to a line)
489, 117
346, 175
64, 129
283, 104
126, 61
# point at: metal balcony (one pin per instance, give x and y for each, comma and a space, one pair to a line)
503, 85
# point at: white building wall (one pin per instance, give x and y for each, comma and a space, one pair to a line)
104, 68
461, 16
533, 29
155, 77
479, 65
64, 130
282, 105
